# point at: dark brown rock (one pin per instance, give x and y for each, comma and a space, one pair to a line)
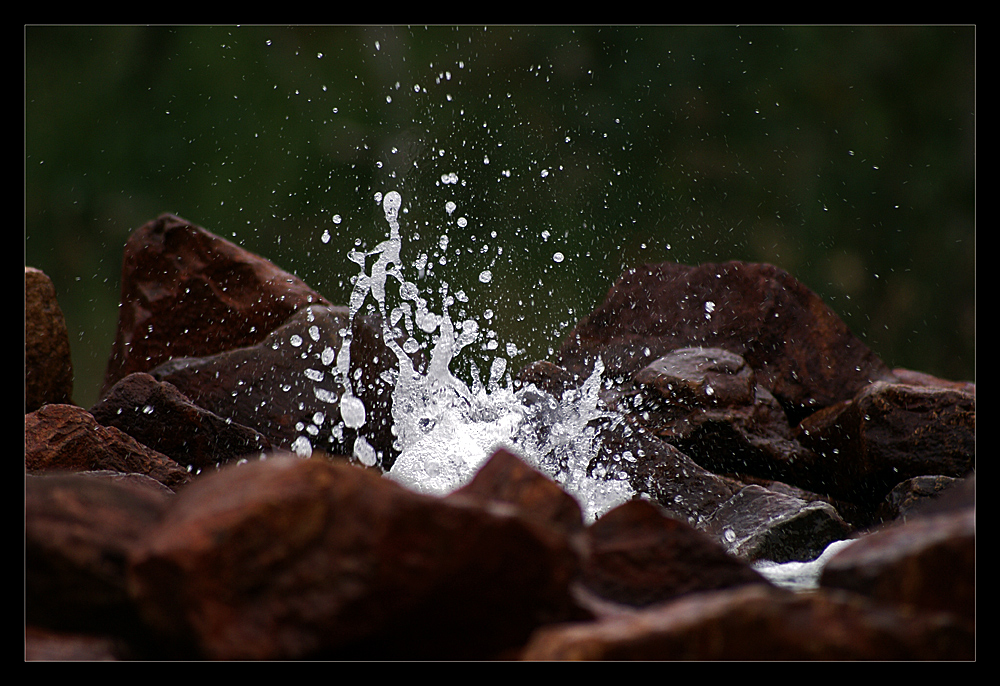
159, 416
43, 645
927, 561
908, 497
506, 478
800, 350
78, 533
700, 377
636, 555
48, 366
914, 378
757, 622
65, 438
187, 292
707, 403
761, 524
662, 472
285, 386
290, 557
885, 435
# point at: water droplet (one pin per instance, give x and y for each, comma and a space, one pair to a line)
328, 356
302, 447
352, 411
364, 451
558, 257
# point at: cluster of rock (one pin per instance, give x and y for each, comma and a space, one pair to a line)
178, 518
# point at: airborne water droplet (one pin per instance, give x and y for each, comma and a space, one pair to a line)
352, 411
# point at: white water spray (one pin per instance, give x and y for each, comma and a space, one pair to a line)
444, 430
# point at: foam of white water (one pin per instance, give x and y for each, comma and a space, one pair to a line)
799, 576
445, 430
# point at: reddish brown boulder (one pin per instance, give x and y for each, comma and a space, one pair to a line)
48, 367
161, 417
187, 292
78, 533
638, 556
707, 403
659, 470
928, 561
864, 447
290, 557
65, 438
285, 386
758, 622
506, 478
801, 351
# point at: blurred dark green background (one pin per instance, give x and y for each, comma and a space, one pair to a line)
843, 155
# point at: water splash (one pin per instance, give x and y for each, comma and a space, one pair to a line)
445, 430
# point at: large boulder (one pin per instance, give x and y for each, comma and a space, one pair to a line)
801, 351
187, 292
48, 367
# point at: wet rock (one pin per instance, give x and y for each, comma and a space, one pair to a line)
700, 377
886, 434
288, 558
48, 367
66, 438
799, 349
285, 386
761, 524
758, 622
914, 378
159, 416
506, 478
707, 403
660, 471
927, 561
189, 293
908, 497
638, 556
78, 533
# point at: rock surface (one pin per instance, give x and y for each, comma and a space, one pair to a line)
749, 422
758, 623
189, 293
162, 418
65, 438
48, 367
286, 386
290, 558
800, 350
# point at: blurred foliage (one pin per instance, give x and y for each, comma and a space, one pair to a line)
845, 155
